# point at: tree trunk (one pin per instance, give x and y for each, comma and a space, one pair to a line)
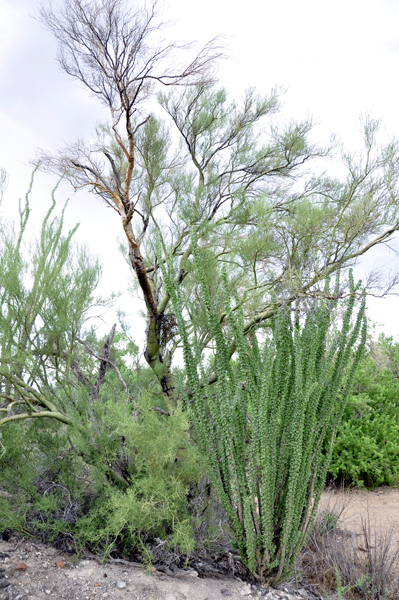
157, 357
160, 362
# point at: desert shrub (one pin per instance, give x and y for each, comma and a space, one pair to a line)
366, 448
55, 485
82, 452
46, 484
335, 560
161, 464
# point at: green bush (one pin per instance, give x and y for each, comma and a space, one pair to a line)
366, 449
49, 488
44, 486
162, 465
82, 452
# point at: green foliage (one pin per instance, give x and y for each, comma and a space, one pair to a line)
52, 489
99, 465
264, 423
366, 449
46, 486
341, 590
155, 502
46, 291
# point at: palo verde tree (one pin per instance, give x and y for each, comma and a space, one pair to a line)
229, 169
108, 48
267, 424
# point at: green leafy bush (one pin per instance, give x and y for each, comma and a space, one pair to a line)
161, 465
366, 449
52, 489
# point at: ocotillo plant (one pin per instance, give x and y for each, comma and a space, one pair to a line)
267, 424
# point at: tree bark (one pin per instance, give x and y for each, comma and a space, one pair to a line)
158, 359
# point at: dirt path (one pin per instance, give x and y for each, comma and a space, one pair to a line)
90, 580
381, 504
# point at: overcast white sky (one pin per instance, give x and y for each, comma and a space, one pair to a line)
338, 60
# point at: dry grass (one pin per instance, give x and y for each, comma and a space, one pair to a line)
356, 566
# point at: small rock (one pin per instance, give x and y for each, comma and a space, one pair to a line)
6, 560
4, 584
225, 592
59, 564
192, 573
120, 585
48, 592
246, 590
21, 567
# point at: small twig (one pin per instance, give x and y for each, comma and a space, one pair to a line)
123, 382
124, 562
161, 410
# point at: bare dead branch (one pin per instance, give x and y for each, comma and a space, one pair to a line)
102, 371
161, 410
104, 358
117, 53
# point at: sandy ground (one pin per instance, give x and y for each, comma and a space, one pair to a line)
90, 580
381, 504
